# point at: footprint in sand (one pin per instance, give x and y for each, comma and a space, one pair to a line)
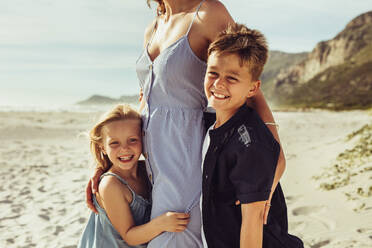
58, 230
364, 230
25, 191
82, 220
308, 210
320, 244
41, 189
290, 199
314, 211
10, 241
10, 217
297, 225
44, 217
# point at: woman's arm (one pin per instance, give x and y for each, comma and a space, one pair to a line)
259, 103
215, 18
142, 102
251, 232
115, 199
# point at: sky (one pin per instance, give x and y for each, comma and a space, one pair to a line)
59, 52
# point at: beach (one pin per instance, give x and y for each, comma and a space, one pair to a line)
45, 164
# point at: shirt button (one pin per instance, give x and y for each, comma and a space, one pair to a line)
206, 176
150, 67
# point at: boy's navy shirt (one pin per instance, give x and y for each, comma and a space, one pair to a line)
240, 165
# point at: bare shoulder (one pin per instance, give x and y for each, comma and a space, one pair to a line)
215, 17
111, 188
148, 31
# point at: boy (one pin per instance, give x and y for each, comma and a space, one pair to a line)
240, 153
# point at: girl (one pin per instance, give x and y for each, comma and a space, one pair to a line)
123, 193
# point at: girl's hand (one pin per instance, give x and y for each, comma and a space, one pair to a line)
92, 186
173, 222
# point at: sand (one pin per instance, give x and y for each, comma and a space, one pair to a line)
45, 164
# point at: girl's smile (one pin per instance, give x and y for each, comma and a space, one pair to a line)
122, 143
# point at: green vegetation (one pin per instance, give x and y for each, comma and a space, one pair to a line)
278, 61
351, 163
344, 87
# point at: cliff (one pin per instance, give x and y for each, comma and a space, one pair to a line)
337, 74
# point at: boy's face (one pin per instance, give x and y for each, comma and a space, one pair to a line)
227, 84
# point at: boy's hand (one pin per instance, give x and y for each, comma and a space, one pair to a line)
92, 188
174, 222
266, 211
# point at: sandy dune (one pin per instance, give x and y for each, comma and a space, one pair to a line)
45, 163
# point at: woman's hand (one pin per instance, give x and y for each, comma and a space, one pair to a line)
140, 95
92, 188
266, 211
173, 222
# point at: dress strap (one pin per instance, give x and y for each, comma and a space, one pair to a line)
152, 33
196, 13
121, 180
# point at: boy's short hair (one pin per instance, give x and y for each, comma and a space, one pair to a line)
249, 44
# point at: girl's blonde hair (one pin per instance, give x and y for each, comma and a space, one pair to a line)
118, 113
160, 10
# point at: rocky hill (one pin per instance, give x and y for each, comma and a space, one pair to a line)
277, 62
104, 100
337, 74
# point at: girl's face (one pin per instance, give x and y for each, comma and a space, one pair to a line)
122, 143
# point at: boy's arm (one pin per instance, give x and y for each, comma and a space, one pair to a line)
111, 194
251, 232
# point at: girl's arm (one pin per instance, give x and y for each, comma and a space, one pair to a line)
259, 103
115, 199
251, 232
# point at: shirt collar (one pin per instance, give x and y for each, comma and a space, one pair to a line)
242, 113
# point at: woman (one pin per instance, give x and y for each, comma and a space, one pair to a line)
171, 71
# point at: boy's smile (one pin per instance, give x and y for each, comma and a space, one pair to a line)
228, 83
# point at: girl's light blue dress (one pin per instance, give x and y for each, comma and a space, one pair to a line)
173, 132
99, 232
